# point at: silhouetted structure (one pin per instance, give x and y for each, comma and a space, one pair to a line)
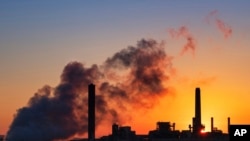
212, 124
1, 137
163, 130
122, 133
91, 112
197, 126
214, 130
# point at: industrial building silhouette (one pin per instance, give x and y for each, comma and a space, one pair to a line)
165, 131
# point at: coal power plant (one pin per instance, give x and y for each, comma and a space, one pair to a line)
165, 131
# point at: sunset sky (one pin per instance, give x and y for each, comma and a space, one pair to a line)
207, 41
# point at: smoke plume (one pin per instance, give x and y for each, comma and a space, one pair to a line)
224, 28
183, 32
135, 77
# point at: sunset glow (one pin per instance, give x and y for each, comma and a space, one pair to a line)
145, 58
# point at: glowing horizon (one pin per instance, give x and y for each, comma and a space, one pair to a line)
198, 45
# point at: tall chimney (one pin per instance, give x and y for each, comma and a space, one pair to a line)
228, 124
91, 112
197, 126
198, 105
212, 124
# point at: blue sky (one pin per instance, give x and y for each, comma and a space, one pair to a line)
38, 38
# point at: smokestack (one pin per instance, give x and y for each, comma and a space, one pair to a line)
91, 113
115, 129
212, 124
197, 126
142, 70
228, 124
198, 105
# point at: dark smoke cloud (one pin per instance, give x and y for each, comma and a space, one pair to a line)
224, 28
135, 77
183, 32
58, 116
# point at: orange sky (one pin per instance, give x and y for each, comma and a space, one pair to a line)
36, 44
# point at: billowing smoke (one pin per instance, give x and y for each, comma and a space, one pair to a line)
135, 77
184, 33
56, 113
224, 28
